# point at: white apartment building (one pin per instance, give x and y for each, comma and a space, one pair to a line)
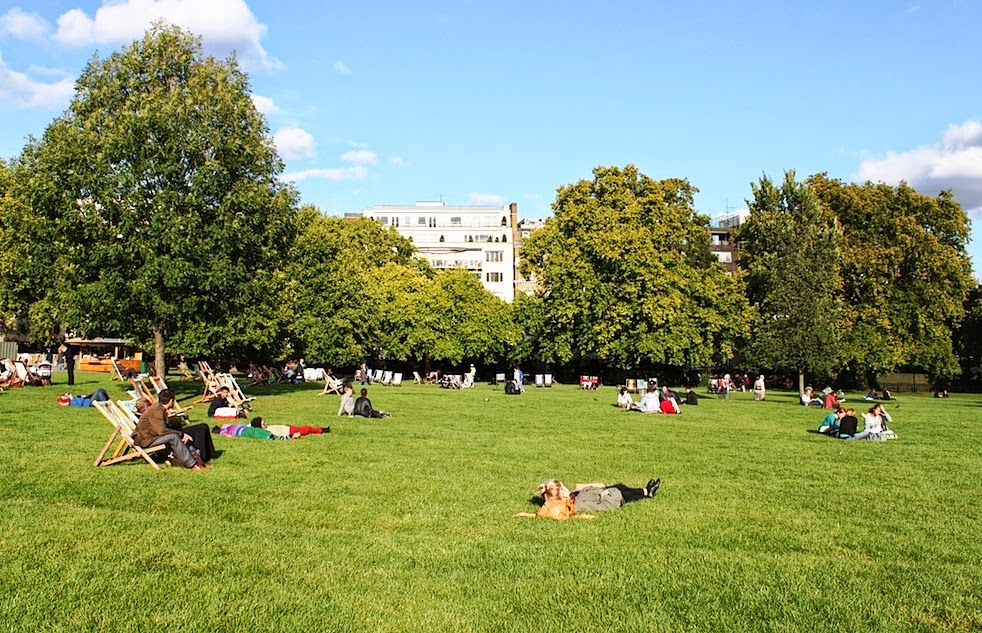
478, 238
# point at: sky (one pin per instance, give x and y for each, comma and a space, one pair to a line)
499, 101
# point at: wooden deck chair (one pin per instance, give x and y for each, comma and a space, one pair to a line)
143, 390
500, 378
116, 373
122, 432
210, 381
417, 379
377, 375
332, 385
236, 398
547, 380
13, 379
396, 379
186, 373
387, 378
540, 380
456, 380
25, 375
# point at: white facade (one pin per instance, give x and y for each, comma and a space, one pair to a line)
478, 238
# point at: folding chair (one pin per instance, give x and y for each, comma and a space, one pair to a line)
540, 380
236, 397
210, 381
386, 378
123, 431
332, 385
417, 379
116, 373
547, 380
500, 378
396, 380
186, 372
24, 374
377, 375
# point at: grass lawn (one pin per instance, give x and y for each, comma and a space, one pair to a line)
406, 524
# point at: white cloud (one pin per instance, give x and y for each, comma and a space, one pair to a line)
485, 199
20, 90
953, 163
340, 68
294, 142
264, 104
360, 157
333, 174
20, 23
398, 161
224, 25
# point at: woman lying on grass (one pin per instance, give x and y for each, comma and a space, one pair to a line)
559, 503
258, 429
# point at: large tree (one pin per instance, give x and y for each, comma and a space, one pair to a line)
155, 205
790, 250
905, 275
627, 277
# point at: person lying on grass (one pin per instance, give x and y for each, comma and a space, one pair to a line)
258, 429
559, 503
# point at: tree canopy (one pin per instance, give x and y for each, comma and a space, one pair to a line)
905, 274
627, 276
790, 250
154, 207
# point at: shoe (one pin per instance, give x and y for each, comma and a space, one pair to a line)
325, 429
652, 487
197, 467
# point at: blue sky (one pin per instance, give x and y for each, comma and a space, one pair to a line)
500, 101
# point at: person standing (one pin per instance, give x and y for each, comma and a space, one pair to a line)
760, 390
69, 354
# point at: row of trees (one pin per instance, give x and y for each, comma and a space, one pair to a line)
152, 209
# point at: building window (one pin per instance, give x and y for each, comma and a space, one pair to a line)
421, 221
455, 221
725, 257
495, 256
495, 277
384, 220
432, 223
395, 220
504, 221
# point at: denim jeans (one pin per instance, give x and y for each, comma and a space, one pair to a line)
177, 446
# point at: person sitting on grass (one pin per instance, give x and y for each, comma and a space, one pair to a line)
624, 399
809, 401
363, 407
847, 425
559, 503
650, 401
690, 397
830, 425
347, 402
875, 425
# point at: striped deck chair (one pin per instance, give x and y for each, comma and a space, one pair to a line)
236, 398
122, 433
386, 378
396, 379
332, 385
417, 379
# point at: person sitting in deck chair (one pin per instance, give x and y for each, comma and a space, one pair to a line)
220, 408
152, 430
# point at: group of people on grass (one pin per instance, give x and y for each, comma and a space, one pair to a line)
655, 400
843, 424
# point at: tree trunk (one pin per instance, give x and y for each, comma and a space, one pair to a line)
160, 364
801, 381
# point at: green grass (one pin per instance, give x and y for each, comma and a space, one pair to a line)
406, 524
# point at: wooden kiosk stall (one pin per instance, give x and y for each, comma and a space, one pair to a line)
96, 354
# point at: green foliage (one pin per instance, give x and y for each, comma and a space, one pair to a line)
968, 337
332, 294
905, 274
790, 250
406, 524
627, 275
154, 205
